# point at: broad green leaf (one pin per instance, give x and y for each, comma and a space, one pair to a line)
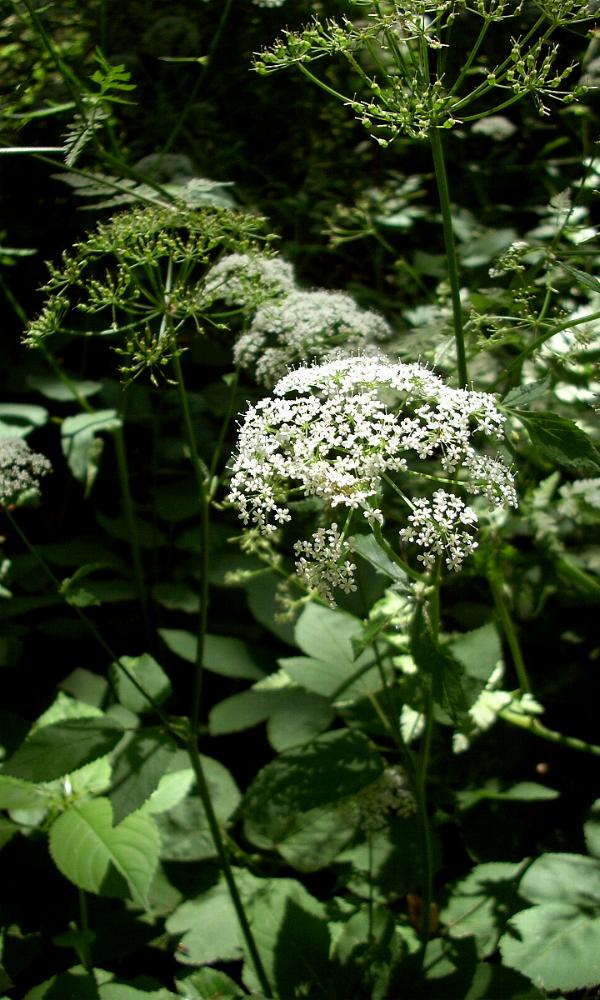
85, 686
261, 593
18, 794
55, 389
184, 830
292, 804
563, 878
102, 858
523, 791
561, 441
138, 770
19, 419
480, 904
55, 750
177, 597
556, 945
479, 652
523, 395
582, 277
391, 861
292, 938
149, 675
293, 716
222, 654
172, 788
591, 830
82, 447
326, 635
8, 829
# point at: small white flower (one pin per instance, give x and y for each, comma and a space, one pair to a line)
20, 471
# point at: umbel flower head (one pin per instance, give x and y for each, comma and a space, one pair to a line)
20, 472
288, 324
340, 431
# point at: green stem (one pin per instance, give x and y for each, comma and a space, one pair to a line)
547, 336
451, 257
84, 948
132, 530
510, 633
225, 864
412, 573
551, 735
202, 484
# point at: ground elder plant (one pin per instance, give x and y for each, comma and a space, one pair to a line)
297, 646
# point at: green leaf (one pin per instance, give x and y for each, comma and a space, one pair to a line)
564, 878
222, 654
138, 769
82, 447
325, 634
293, 716
523, 395
368, 549
55, 389
19, 419
184, 830
556, 945
149, 674
582, 277
292, 938
210, 927
591, 830
441, 666
561, 441
18, 794
293, 804
480, 904
208, 984
102, 858
57, 749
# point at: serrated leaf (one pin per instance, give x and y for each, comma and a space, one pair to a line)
582, 277
102, 858
556, 945
55, 750
523, 395
138, 770
149, 674
561, 441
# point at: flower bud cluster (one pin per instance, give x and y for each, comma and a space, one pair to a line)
20, 471
336, 430
388, 794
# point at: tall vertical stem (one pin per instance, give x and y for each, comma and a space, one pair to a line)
132, 530
451, 257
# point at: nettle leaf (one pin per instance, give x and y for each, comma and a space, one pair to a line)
292, 938
55, 750
149, 674
591, 830
82, 447
561, 441
138, 769
102, 858
524, 395
295, 804
222, 654
443, 668
480, 904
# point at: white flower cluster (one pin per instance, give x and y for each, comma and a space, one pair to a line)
333, 431
238, 277
289, 325
305, 325
322, 566
20, 471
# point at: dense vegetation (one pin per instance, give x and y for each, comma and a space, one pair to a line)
300, 500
